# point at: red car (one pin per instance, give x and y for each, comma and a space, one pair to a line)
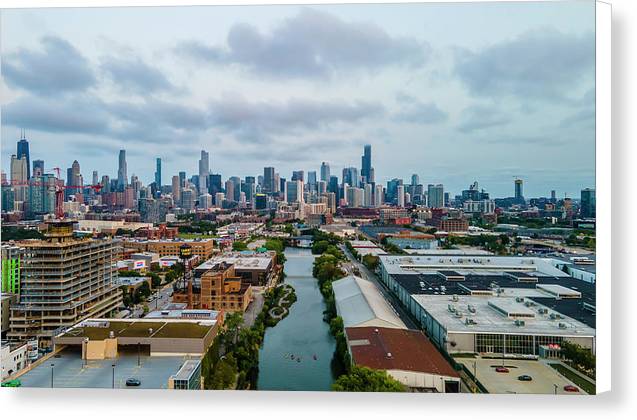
571, 388
501, 369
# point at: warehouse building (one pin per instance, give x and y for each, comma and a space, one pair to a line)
254, 268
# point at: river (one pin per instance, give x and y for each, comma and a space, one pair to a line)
302, 334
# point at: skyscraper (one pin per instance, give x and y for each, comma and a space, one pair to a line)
38, 167
298, 176
158, 173
268, 180
366, 163
294, 191
311, 180
19, 176
204, 170
182, 179
214, 184
350, 176
325, 172
122, 177
378, 196
587, 203
436, 196
519, 193
415, 179
23, 151
176, 190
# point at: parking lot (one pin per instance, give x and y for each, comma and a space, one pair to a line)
544, 377
70, 371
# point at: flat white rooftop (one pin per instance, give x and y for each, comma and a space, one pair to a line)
489, 320
259, 261
458, 252
400, 264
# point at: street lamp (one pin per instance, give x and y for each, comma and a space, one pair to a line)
113, 382
555, 388
52, 365
138, 355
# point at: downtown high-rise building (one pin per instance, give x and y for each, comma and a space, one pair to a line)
519, 192
436, 196
366, 165
325, 172
298, 176
350, 176
379, 198
204, 171
38, 167
23, 151
176, 189
400, 196
19, 176
158, 173
587, 203
294, 191
122, 176
268, 180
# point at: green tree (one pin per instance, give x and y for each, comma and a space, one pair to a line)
155, 280
371, 261
363, 379
239, 246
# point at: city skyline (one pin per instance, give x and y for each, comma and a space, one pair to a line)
443, 106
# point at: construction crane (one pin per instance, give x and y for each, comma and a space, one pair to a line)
59, 190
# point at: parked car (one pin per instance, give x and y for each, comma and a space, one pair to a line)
133, 382
525, 378
571, 388
502, 369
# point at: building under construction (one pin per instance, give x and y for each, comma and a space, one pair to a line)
63, 281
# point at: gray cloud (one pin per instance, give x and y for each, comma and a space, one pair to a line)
255, 121
542, 64
582, 118
417, 112
133, 74
59, 67
477, 117
310, 44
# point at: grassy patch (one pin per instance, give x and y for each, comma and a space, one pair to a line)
578, 380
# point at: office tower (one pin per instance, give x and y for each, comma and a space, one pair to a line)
95, 178
230, 190
322, 187
400, 196
294, 191
311, 180
106, 184
68, 280
368, 201
204, 170
587, 203
325, 172
392, 189
8, 198
446, 200
519, 193
19, 177
436, 196
38, 167
332, 186
23, 151
553, 198
279, 183
158, 173
176, 189
187, 199
219, 199
269, 185
298, 176
261, 202
236, 189
366, 163
182, 179
205, 201
415, 179
350, 176
122, 177
355, 196
42, 194
214, 184
249, 187
378, 196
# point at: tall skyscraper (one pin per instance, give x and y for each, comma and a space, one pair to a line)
176, 190
158, 173
268, 180
587, 203
294, 191
378, 196
95, 178
23, 151
38, 167
436, 196
553, 198
298, 176
400, 196
350, 176
519, 193
325, 172
214, 184
366, 163
204, 170
415, 179
311, 180
182, 179
122, 177
19, 176
230, 190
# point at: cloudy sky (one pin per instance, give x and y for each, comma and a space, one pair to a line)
452, 92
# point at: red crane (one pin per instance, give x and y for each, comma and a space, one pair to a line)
59, 190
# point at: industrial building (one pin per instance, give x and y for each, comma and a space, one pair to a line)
406, 355
360, 304
487, 304
203, 248
63, 280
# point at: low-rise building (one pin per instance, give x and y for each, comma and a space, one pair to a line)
254, 268
14, 358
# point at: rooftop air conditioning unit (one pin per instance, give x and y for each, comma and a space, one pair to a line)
562, 326
519, 323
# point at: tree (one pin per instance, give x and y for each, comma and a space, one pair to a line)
363, 379
371, 261
239, 246
320, 247
155, 280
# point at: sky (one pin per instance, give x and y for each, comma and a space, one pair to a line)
455, 93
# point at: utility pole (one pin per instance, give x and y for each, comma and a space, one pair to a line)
113, 381
52, 365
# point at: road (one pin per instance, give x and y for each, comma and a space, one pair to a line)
387, 294
159, 301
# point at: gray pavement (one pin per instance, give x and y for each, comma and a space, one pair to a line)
70, 371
